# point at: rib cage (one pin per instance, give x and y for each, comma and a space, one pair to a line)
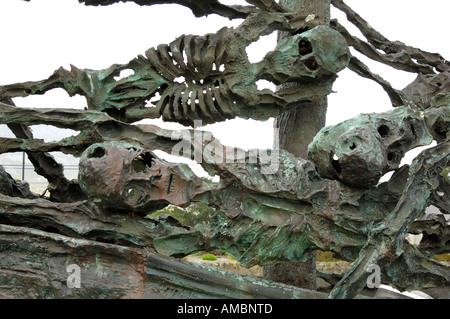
194, 76
190, 77
185, 103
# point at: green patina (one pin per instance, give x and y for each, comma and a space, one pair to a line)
333, 200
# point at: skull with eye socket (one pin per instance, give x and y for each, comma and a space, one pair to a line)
361, 150
318, 53
127, 178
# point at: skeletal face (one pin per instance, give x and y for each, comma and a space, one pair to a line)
316, 53
128, 178
361, 150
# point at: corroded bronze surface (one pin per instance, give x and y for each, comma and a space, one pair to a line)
270, 206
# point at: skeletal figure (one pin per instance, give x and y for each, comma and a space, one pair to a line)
124, 178
208, 77
262, 219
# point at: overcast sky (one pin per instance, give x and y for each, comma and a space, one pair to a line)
40, 36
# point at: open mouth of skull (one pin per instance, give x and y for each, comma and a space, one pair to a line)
305, 49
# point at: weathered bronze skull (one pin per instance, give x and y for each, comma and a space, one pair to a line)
126, 177
317, 53
361, 150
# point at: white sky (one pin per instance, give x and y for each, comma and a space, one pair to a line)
41, 35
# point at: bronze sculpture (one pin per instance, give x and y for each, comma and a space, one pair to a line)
330, 201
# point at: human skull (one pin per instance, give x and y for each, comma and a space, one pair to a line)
361, 150
317, 53
125, 177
